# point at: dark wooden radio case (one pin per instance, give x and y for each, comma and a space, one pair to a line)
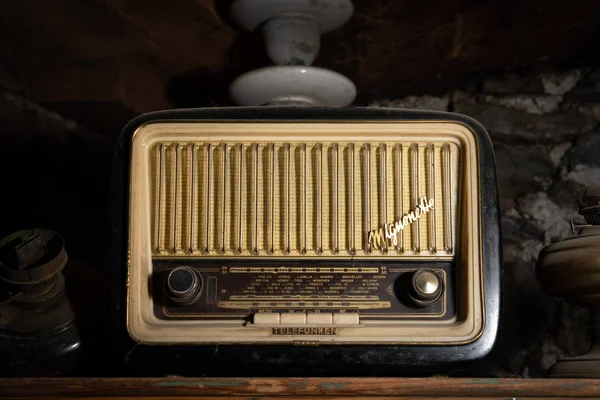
287, 360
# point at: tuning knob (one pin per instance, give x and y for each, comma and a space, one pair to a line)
426, 287
184, 285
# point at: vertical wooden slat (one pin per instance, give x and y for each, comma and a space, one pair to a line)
367, 206
399, 195
160, 197
272, 199
239, 197
287, 228
351, 215
319, 205
431, 232
255, 196
176, 215
209, 151
225, 166
192, 225
303, 191
383, 190
416, 226
447, 198
335, 187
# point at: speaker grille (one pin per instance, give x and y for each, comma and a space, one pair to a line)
299, 199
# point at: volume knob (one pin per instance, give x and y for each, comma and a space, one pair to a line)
426, 287
184, 285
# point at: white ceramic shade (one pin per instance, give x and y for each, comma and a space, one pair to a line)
292, 85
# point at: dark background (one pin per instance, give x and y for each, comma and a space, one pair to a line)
72, 73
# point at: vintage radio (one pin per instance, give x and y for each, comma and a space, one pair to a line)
304, 241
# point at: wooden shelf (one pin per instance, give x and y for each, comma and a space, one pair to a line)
296, 388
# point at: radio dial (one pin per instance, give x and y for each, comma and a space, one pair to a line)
184, 285
426, 287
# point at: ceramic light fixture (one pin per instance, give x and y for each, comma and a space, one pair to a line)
292, 32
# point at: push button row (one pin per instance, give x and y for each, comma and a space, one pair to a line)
306, 319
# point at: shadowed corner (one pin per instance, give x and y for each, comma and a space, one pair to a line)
206, 87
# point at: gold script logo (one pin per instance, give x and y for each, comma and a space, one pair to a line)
377, 237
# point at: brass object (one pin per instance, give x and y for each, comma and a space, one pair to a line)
589, 206
569, 269
39, 334
427, 283
426, 288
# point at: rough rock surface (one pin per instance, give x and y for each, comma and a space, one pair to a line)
545, 129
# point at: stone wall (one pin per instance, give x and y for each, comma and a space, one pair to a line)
545, 128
